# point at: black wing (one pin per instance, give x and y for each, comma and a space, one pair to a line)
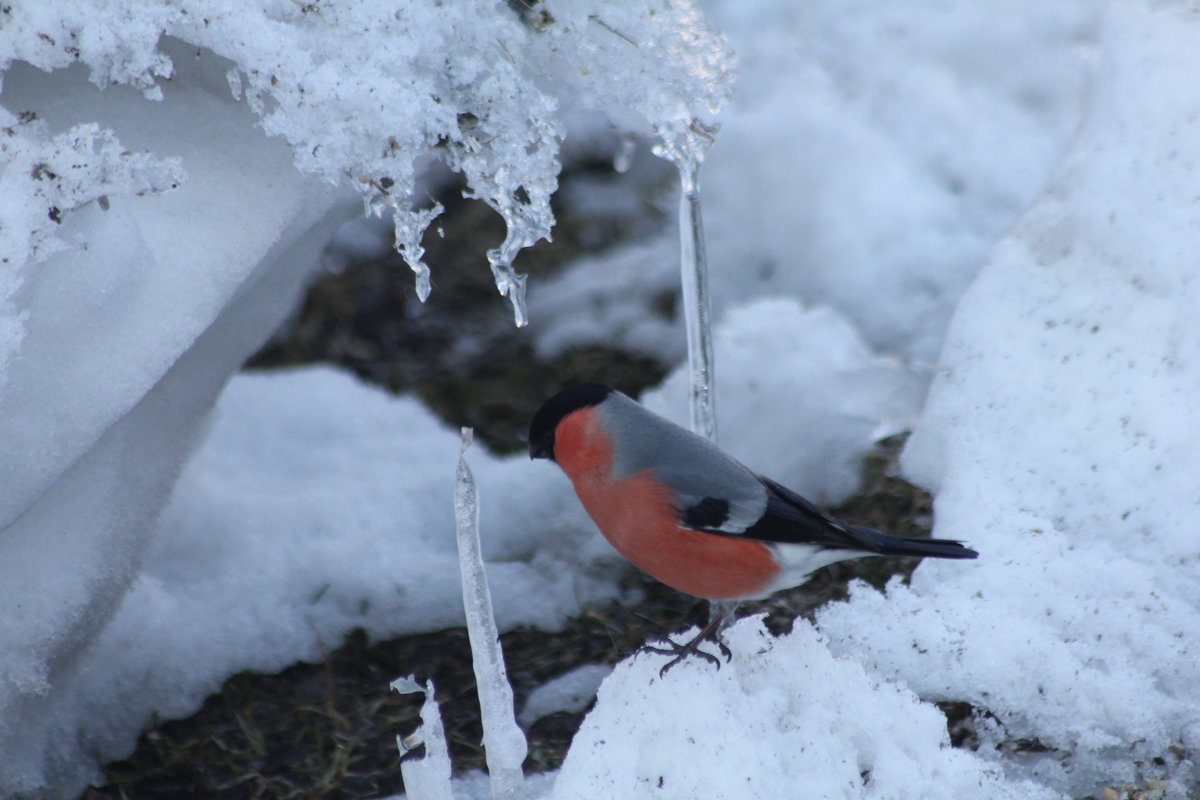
786, 517
791, 519
707, 515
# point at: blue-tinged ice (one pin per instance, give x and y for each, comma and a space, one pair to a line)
503, 742
424, 756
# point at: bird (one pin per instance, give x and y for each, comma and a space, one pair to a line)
690, 515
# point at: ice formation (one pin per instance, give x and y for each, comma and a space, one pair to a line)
425, 758
684, 145
503, 741
123, 312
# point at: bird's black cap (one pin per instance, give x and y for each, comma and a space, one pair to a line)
545, 421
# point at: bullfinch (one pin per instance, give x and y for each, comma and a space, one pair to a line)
690, 515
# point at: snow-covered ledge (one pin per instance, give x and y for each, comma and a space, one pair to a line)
128, 334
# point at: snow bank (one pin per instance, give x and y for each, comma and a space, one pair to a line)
783, 719
124, 322
1061, 439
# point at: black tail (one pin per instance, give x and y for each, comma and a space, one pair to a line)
887, 545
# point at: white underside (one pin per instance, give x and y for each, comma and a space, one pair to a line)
799, 561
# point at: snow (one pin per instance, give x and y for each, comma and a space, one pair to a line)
481, 85
68, 171
883, 168
784, 716
123, 325
786, 372
572, 691
872, 150
298, 522
1065, 449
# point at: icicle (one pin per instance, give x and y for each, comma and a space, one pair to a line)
504, 743
684, 144
626, 150
525, 223
424, 757
523, 229
511, 284
410, 226
377, 203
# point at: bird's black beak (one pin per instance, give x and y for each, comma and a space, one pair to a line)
541, 450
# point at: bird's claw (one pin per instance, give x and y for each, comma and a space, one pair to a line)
680, 652
691, 648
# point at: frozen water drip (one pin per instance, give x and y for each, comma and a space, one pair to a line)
503, 742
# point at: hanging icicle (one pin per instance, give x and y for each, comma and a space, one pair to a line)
684, 144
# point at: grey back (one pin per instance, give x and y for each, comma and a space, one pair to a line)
690, 464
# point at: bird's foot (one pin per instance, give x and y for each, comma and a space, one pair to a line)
692, 648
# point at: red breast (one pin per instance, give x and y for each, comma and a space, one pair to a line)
638, 517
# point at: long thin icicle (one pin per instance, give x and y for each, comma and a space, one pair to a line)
684, 145
504, 743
